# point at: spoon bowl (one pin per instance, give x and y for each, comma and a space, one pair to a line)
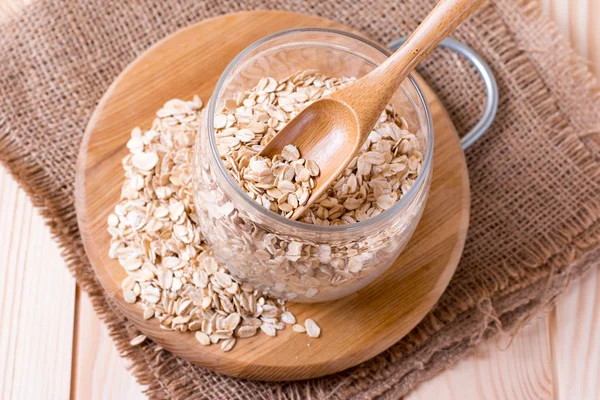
339, 139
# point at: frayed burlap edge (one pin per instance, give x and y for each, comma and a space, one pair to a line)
494, 311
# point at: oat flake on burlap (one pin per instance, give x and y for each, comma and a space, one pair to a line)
535, 175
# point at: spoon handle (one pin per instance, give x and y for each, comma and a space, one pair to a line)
384, 81
440, 22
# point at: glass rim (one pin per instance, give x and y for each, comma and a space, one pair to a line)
390, 212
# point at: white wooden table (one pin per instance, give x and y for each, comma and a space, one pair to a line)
52, 345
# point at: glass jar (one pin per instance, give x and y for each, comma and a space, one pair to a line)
255, 244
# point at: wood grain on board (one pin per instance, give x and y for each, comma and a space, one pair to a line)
573, 326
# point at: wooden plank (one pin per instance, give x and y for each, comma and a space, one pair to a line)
521, 372
9, 8
36, 303
593, 36
575, 338
576, 19
26, 247
99, 371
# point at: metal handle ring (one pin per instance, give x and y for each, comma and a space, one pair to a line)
491, 87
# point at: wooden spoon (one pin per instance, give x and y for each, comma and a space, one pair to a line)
332, 130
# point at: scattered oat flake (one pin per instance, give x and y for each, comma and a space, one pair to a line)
227, 344
138, 340
312, 329
246, 331
299, 328
203, 338
268, 329
288, 318
144, 161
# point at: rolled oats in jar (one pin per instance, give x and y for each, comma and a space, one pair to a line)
352, 233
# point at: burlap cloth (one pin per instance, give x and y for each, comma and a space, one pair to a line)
535, 176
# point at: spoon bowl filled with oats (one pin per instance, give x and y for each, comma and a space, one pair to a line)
356, 228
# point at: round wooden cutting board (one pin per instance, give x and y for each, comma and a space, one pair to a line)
354, 328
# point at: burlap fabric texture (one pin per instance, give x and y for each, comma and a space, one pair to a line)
535, 176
